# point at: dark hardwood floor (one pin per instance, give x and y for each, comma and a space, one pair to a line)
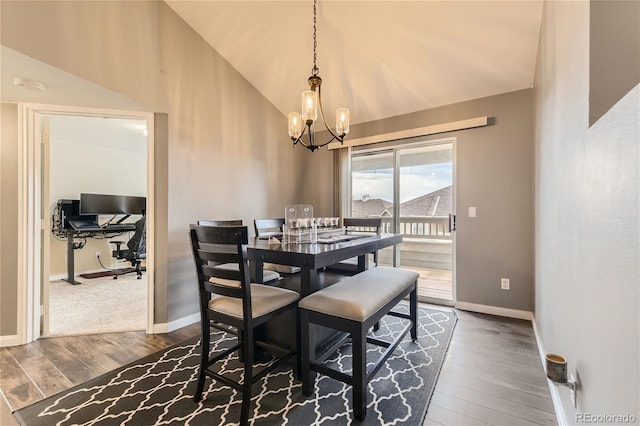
492, 373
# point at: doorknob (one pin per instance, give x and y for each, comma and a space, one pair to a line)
452, 222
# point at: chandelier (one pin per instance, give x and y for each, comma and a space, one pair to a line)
299, 124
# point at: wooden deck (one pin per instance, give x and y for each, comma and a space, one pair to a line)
434, 283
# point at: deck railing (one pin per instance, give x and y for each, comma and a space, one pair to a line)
432, 228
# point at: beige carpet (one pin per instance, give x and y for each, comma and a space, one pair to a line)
98, 305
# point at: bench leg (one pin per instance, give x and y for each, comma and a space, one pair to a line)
307, 354
413, 312
359, 390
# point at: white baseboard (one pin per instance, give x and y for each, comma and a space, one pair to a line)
561, 416
12, 340
176, 324
495, 310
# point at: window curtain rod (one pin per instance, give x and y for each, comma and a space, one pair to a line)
411, 133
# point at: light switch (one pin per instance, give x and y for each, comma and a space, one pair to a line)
472, 212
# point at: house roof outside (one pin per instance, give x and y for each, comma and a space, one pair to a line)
371, 207
436, 203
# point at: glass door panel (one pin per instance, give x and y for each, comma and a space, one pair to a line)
372, 194
426, 201
411, 189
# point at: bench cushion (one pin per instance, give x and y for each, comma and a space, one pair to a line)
362, 295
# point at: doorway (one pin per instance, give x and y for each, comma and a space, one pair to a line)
88, 155
411, 187
36, 256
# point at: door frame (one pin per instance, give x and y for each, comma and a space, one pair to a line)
32, 221
394, 147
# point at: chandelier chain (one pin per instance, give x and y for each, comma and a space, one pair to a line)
314, 70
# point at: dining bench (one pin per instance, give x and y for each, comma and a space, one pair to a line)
353, 306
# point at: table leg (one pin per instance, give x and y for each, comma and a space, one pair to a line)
70, 260
256, 271
362, 262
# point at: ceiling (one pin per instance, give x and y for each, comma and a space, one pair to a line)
378, 58
61, 87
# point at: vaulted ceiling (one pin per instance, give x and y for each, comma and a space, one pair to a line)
378, 58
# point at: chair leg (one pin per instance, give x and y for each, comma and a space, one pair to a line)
413, 312
298, 369
359, 339
204, 359
306, 353
139, 269
247, 348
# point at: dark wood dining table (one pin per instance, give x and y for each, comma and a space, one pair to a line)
312, 258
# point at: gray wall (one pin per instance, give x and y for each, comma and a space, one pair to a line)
8, 219
225, 152
587, 229
494, 172
614, 53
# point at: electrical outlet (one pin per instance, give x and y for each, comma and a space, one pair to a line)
98, 255
504, 283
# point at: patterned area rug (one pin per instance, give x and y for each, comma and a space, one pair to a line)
158, 389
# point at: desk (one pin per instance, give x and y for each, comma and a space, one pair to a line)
87, 233
313, 257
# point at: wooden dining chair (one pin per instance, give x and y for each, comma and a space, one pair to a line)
269, 276
266, 228
237, 303
362, 225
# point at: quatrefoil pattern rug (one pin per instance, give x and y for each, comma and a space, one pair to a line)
158, 389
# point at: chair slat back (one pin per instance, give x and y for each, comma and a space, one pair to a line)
366, 224
215, 245
233, 222
267, 227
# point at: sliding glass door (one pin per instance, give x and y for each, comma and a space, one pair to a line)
411, 188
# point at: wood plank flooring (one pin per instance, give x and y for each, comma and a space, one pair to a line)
491, 374
30, 373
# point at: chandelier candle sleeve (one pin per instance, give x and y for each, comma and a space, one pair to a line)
309, 106
295, 125
342, 121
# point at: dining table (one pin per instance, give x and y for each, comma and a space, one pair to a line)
312, 258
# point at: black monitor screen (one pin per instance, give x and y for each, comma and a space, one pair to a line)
111, 204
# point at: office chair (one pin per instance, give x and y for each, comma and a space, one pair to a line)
137, 248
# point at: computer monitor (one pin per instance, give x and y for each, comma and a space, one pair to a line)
112, 204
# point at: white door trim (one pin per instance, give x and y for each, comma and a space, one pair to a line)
29, 208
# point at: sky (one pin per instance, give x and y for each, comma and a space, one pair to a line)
414, 181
